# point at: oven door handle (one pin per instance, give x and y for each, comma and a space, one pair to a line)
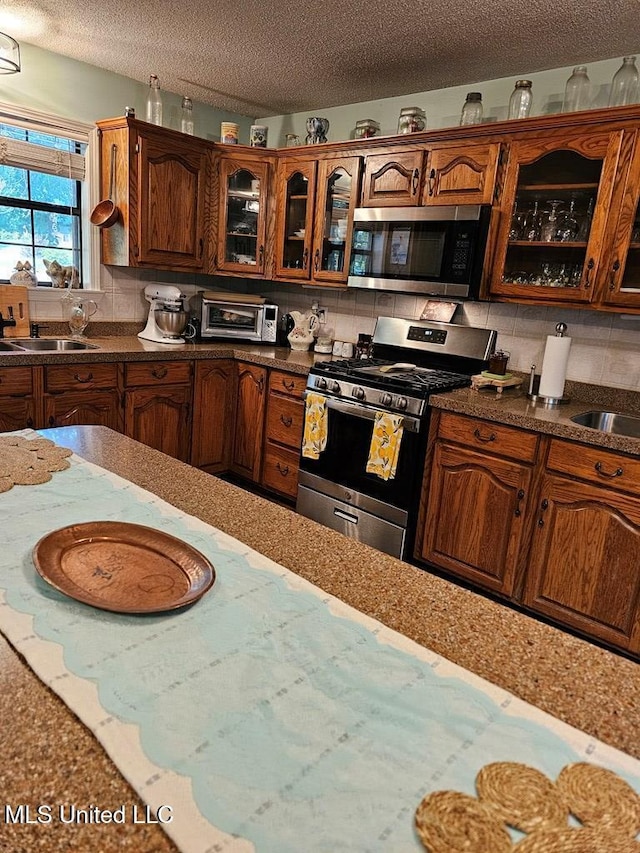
357, 410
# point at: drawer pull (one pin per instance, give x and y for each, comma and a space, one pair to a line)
159, 372
83, 379
289, 385
609, 475
485, 438
283, 469
286, 421
52, 421
30, 422
520, 497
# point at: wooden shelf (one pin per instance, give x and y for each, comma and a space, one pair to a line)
240, 234
529, 188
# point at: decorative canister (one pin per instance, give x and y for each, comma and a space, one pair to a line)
412, 120
229, 133
521, 100
258, 136
366, 128
317, 129
291, 140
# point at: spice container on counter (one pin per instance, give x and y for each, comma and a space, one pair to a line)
366, 128
520, 100
412, 120
472, 109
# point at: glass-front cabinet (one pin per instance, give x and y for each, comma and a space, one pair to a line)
242, 219
315, 204
552, 239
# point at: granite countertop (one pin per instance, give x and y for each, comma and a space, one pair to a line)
49, 756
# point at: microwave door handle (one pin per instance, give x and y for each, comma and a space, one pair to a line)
357, 411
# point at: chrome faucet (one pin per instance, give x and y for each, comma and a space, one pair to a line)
4, 323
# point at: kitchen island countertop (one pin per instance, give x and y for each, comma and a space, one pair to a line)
48, 755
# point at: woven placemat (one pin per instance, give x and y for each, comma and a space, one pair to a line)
521, 796
449, 821
599, 797
25, 462
583, 840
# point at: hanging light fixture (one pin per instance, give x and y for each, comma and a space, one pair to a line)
9, 55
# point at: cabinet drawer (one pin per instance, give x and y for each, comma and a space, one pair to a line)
495, 438
157, 372
280, 471
73, 377
15, 381
287, 383
285, 418
595, 465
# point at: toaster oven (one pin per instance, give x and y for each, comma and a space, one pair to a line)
225, 318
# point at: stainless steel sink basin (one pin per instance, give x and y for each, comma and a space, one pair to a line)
47, 345
610, 422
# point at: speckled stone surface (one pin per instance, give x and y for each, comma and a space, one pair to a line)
48, 756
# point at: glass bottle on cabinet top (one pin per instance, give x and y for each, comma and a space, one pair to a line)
577, 91
624, 86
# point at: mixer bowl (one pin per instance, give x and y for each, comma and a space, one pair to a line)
171, 322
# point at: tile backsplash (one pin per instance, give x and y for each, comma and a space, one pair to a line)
605, 348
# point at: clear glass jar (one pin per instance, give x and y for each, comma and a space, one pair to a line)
186, 120
366, 128
520, 100
624, 86
577, 92
154, 101
472, 109
412, 120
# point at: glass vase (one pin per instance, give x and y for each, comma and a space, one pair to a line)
577, 92
624, 86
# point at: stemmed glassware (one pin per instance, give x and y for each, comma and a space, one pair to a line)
548, 230
568, 225
531, 227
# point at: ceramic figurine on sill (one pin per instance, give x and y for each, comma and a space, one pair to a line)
62, 276
24, 275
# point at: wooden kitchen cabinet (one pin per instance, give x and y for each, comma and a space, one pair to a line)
583, 569
19, 407
242, 214
162, 185
461, 174
393, 179
251, 384
82, 393
315, 200
478, 494
213, 415
158, 405
283, 433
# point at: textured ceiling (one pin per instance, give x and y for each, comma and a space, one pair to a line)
276, 57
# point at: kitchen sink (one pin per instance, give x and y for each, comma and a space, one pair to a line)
610, 422
45, 345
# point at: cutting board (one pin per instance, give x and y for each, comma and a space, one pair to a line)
14, 299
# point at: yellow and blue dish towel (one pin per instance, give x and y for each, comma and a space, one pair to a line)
314, 438
385, 445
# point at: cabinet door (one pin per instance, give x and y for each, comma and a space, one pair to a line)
172, 188
461, 174
242, 216
99, 408
392, 179
583, 570
336, 199
552, 232
160, 418
295, 204
250, 406
474, 520
213, 415
17, 413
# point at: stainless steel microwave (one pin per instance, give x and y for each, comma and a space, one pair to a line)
432, 251
224, 318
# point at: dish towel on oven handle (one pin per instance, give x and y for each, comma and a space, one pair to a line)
385, 445
314, 438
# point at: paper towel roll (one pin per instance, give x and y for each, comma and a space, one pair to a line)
554, 366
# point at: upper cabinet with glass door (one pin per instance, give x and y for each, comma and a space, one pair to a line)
242, 219
552, 238
315, 204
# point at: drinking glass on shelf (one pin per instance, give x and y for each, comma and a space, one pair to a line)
549, 225
568, 225
517, 222
531, 228
585, 223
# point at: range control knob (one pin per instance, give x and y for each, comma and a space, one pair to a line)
402, 402
335, 387
385, 399
321, 382
358, 392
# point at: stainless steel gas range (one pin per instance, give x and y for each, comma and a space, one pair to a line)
410, 361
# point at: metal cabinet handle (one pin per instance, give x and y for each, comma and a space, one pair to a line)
284, 470
305, 259
159, 372
83, 379
316, 261
432, 181
609, 475
415, 180
486, 439
260, 384
543, 508
520, 497
590, 267
29, 422
289, 385
201, 248
614, 270
286, 421
261, 254
52, 421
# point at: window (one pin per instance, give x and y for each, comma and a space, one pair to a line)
44, 196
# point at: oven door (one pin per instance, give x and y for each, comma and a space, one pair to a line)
231, 320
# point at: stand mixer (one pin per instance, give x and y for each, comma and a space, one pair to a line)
167, 318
